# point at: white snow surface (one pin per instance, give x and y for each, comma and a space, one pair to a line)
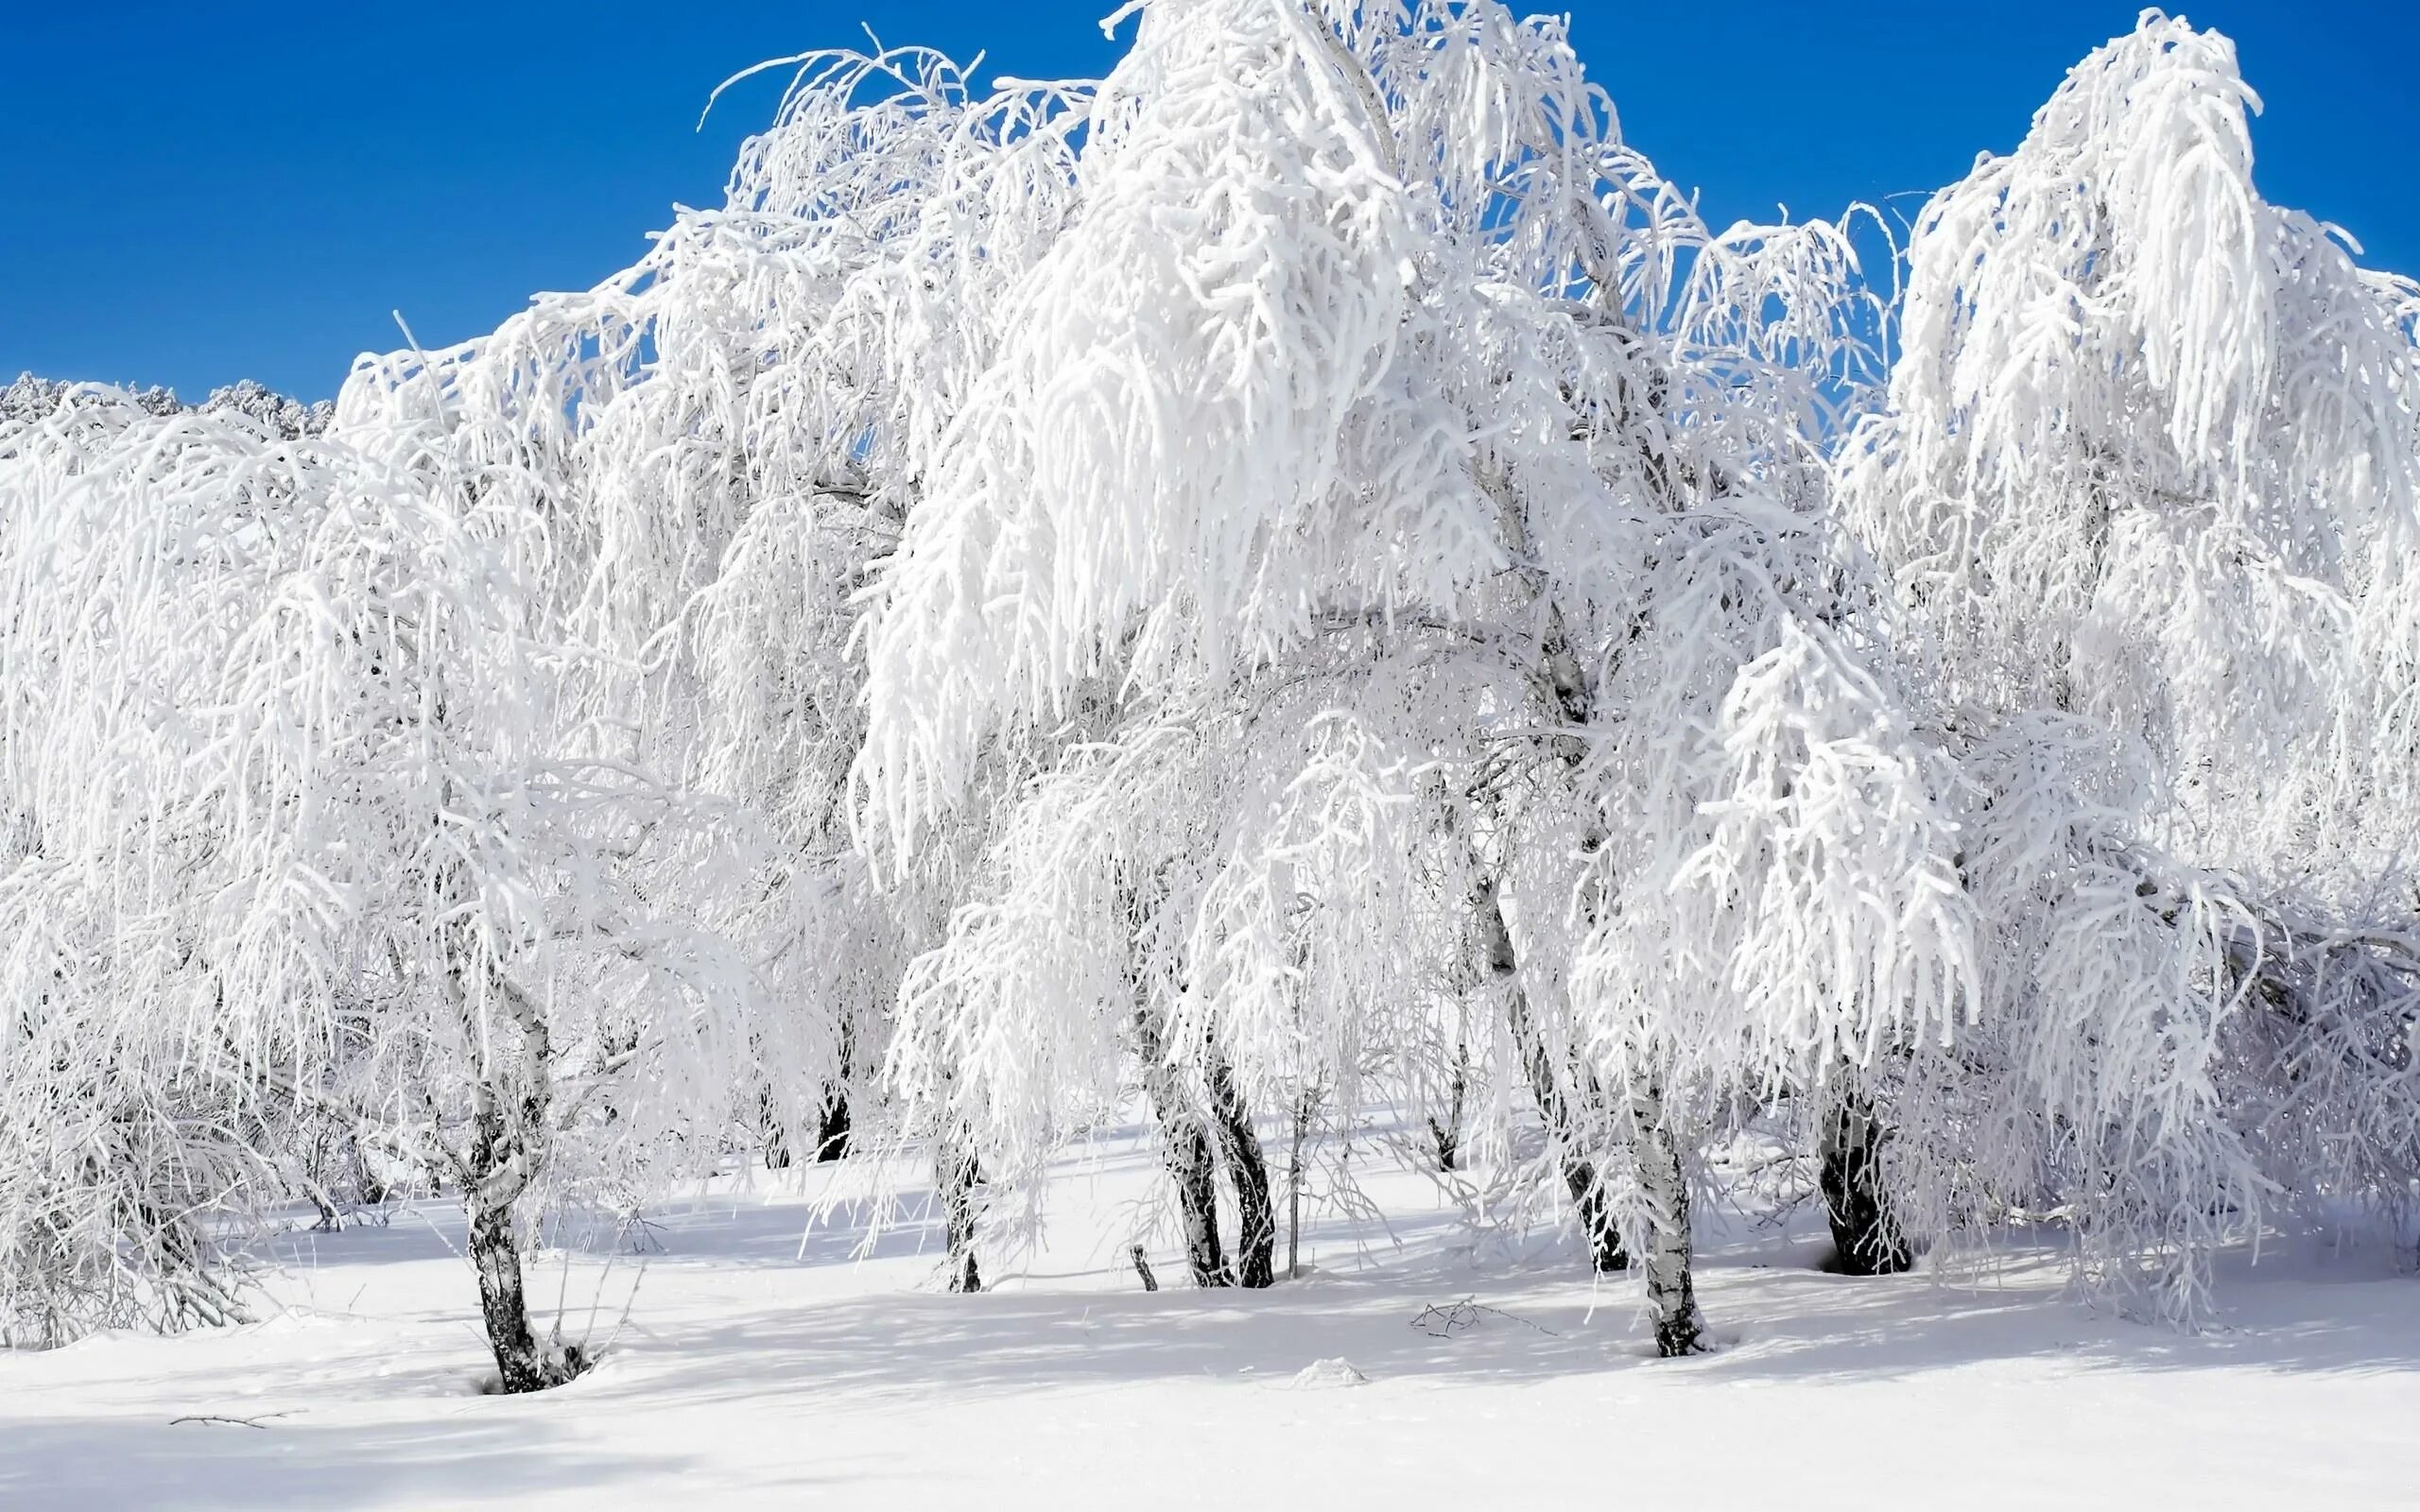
762, 1365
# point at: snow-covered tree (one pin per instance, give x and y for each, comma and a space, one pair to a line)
2146, 482
729, 434
129, 1144
33, 399
313, 786
1372, 364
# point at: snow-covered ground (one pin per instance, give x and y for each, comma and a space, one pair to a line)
757, 1369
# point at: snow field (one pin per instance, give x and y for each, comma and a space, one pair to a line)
755, 1369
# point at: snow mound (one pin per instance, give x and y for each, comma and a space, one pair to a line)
1319, 1374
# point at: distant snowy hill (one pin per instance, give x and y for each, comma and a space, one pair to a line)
31, 395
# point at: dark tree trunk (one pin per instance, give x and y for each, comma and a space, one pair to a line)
1606, 1255
1185, 1149
1866, 1239
1248, 1171
959, 1175
832, 1127
495, 1253
1447, 1133
776, 1129
505, 1110
1605, 1252
493, 1179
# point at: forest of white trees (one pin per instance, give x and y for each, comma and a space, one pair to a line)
1298, 587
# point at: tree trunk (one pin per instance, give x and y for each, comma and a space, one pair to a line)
1605, 1252
1185, 1149
832, 1127
1448, 1134
1248, 1172
495, 1176
1671, 1294
496, 1255
1866, 1239
1294, 1191
775, 1128
507, 1109
959, 1172
1606, 1255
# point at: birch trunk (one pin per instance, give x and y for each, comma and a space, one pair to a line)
1671, 1292
1248, 1172
495, 1254
495, 1174
1605, 1252
1294, 1191
1184, 1150
511, 1103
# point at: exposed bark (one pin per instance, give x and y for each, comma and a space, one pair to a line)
1248, 1173
959, 1173
1866, 1238
1185, 1149
831, 1131
1671, 1292
1605, 1252
1446, 1134
775, 1128
496, 1256
1143, 1268
832, 1127
496, 1175
509, 1120
1294, 1191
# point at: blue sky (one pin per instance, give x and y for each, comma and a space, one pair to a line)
217, 189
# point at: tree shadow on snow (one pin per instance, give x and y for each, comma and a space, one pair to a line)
1777, 1318
2299, 1310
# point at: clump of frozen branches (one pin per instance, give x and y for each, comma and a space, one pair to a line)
307, 772
1491, 404
2146, 481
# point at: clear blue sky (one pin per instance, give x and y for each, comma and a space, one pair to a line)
215, 189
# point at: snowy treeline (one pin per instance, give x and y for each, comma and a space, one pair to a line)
1300, 587
30, 398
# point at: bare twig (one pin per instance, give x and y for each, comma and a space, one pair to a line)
1462, 1316
236, 1422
